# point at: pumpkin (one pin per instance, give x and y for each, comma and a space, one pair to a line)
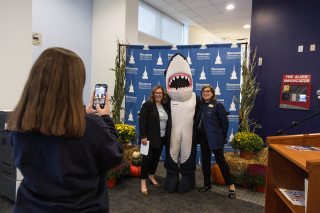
136, 154
216, 175
135, 170
136, 161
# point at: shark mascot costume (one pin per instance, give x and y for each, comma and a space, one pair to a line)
182, 105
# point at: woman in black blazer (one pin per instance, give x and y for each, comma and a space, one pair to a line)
152, 127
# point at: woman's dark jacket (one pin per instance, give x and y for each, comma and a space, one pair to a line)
149, 124
67, 174
215, 122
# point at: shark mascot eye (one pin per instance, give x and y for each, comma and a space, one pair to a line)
182, 104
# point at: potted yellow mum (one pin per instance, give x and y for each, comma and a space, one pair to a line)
246, 143
126, 133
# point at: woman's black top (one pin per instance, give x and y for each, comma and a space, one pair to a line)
67, 174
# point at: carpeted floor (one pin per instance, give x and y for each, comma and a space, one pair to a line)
126, 197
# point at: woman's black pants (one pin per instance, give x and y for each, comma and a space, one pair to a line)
150, 162
206, 162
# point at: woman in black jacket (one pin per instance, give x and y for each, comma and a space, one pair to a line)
152, 128
212, 133
62, 152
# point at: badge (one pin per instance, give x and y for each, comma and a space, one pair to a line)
211, 105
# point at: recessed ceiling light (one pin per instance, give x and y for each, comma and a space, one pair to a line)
246, 26
230, 7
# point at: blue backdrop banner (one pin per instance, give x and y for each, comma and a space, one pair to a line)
217, 65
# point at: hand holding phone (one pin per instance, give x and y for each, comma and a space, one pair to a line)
89, 108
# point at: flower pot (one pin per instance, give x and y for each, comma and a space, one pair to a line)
244, 185
111, 182
260, 189
245, 155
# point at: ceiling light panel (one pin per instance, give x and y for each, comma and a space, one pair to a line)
223, 7
230, 7
196, 3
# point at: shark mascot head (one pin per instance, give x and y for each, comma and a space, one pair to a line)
179, 78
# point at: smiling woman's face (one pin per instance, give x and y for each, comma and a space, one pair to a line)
158, 95
207, 94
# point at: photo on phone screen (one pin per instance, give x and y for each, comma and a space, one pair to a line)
100, 95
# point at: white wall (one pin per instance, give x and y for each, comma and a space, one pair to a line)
145, 39
15, 49
110, 19
196, 37
67, 24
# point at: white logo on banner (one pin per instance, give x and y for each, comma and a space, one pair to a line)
144, 85
221, 100
233, 55
193, 71
218, 71
203, 56
159, 60
131, 58
131, 70
174, 47
158, 82
199, 86
203, 46
231, 136
145, 47
131, 87
233, 118
131, 99
234, 74
144, 100
232, 106
158, 71
217, 89
145, 74
218, 59
145, 56
203, 74
130, 116
232, 86
189, 59
170, 56
234, 45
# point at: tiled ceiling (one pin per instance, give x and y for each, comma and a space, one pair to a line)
211, 17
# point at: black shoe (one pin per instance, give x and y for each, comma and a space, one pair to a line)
232, 194
204, 189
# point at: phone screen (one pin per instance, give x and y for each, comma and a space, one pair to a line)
100, 95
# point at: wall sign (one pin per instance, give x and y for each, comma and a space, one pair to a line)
37, 39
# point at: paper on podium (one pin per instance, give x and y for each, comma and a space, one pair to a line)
144, 149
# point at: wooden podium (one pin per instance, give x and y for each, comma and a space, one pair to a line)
287, 169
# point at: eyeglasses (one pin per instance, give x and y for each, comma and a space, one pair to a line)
206, 91
158, 93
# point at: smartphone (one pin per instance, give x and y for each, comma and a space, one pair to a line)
100, 95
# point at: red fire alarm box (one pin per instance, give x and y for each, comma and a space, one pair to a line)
295, 96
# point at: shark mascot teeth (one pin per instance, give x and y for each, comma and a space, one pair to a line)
182, 104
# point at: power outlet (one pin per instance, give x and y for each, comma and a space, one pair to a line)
300, 48
312, 47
